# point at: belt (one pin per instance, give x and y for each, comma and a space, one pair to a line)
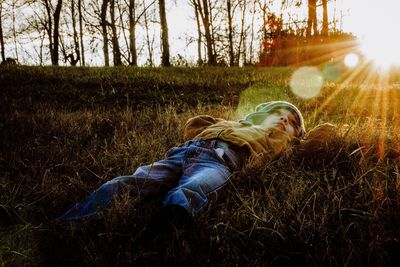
233, 155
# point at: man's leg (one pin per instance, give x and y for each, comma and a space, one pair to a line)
147, 180
204, 173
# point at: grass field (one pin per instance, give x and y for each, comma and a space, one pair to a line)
65, 131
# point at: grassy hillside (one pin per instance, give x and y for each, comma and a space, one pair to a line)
65, 131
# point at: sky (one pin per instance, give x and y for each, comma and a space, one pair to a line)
180, 17
181, 14
364, 18
372, 21
375, 23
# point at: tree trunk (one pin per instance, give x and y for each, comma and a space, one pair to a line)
49, 28
205, 16
263, 7
242, 33
132, 33
324, 31
252, 35
312, 18
148, 41
3, 57
81, 32
14, 29
122, 20
212, 30
103, 22
56, 33
116, 49
41, 50
230, 33
164, 35
196, 11
74, 59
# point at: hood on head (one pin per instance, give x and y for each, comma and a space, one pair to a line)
263, 109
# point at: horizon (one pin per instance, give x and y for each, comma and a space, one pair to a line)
343, 15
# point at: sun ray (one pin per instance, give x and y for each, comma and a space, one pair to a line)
362, 97
378, 113
383, 89
358, 101
351, 75
394, 119
339, 50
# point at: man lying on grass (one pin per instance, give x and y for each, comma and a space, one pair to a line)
193, 171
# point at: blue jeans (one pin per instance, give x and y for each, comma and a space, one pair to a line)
192, 172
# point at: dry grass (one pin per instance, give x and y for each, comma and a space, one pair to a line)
59, 145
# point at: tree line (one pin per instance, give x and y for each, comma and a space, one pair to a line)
228, 33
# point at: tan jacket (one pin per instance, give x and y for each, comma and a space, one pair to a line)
265, 143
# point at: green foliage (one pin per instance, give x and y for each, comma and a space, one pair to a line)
65, 131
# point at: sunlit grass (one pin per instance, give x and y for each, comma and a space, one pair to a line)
65, 132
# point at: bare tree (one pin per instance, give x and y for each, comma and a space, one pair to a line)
252, 34
38, 23
52, 27
14, 7
134, 18
324, 30
242, 40
230, 32
211, 8
57, 13
81, 32
123, 14
149, 40
264, 27
115, 42
164, 35
312, 18
103, 22
227, 31
37, 26
204, 11
199, 33
3, 57
132, 32
234, 58
73, 59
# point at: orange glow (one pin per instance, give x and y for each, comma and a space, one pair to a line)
380, 41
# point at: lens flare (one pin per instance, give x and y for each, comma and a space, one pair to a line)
306, 82
351, 60
332, 71
379, 44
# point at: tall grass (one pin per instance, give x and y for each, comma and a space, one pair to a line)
65, 131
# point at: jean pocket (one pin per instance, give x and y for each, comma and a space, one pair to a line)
172, 151
220, 152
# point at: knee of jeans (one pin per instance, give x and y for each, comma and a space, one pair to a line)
200, 189
142, 172
193, 186
117, 181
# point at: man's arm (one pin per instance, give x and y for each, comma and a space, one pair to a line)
322, 142
196, 125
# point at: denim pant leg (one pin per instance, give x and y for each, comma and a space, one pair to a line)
145, 181
204, 173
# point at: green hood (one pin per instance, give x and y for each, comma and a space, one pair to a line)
264, 109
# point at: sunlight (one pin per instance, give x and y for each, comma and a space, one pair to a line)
351, 60
306, 82
380, 41
382, 52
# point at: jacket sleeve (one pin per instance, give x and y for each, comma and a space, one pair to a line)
196, 125
323, 142
320, 138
